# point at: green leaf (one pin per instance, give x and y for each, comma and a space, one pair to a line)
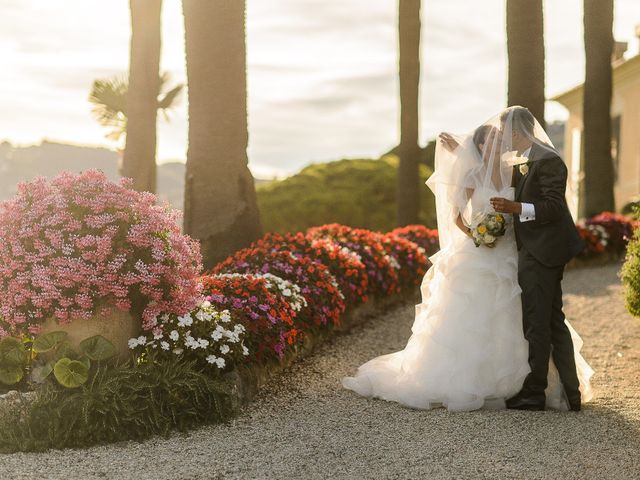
85, 361
41, 372
12, 353
70, 373
48, 341
97, 348
65, 350
10, 375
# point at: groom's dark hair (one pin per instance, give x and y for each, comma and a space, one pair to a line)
522, 120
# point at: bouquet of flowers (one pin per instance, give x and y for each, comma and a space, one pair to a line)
487, 230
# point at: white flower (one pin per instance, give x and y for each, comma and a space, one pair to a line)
142, 340
220, 362
174, 335
164, 345
225, 316
133, 343
204, 343
211, 359
165, 318
178, 351
489, 238
245, 350
206, 304
239, 328
224, 349
216, 335
286, 292
524, 169
185, 321
512, 159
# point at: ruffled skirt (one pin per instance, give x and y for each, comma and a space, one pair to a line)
467, 348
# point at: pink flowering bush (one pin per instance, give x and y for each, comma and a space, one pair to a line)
78, 245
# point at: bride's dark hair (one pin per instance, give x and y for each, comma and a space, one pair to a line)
480, 136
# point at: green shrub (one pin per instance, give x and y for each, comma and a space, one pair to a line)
630, 273
357, 193
119, 402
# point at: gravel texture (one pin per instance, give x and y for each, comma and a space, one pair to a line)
304, 425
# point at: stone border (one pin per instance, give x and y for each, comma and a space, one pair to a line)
247, 380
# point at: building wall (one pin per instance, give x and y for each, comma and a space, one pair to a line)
627, 93
624, 103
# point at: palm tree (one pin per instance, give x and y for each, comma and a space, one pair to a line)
108, 97
598, 164
220, 198
139, 158
525, 49
408, 186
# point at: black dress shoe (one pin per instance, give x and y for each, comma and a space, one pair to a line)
523, 401
574, 402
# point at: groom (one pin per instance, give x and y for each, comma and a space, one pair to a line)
547, 239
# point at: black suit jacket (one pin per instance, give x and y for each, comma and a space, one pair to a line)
552, 238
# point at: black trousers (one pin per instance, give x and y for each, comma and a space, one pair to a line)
544, 327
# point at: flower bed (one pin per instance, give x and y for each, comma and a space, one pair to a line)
80, 245
382, 269
606, 237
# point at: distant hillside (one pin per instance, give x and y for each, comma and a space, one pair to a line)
19, 164
359, 193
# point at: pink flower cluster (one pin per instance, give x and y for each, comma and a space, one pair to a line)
73, 246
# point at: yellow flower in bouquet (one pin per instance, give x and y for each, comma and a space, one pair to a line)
489, 229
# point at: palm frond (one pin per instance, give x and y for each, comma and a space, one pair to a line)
167, 100
109, 99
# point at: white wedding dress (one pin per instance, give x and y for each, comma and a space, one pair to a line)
467, 349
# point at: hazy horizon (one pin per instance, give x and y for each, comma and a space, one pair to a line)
322, 76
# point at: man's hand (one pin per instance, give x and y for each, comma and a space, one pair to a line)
448, 141
502, 205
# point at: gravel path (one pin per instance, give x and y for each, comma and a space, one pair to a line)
304, 425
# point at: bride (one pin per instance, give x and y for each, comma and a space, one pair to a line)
467, 349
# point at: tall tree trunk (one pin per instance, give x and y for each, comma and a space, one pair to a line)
408, 186
139, 158
525, 49
220, 199
598, 164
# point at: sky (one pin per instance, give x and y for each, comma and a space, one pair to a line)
322, 74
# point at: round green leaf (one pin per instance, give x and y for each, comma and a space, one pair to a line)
48, 341
10, 375
12, 352
70, 373
97, 348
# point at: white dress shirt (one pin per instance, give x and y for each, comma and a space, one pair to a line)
528, 212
